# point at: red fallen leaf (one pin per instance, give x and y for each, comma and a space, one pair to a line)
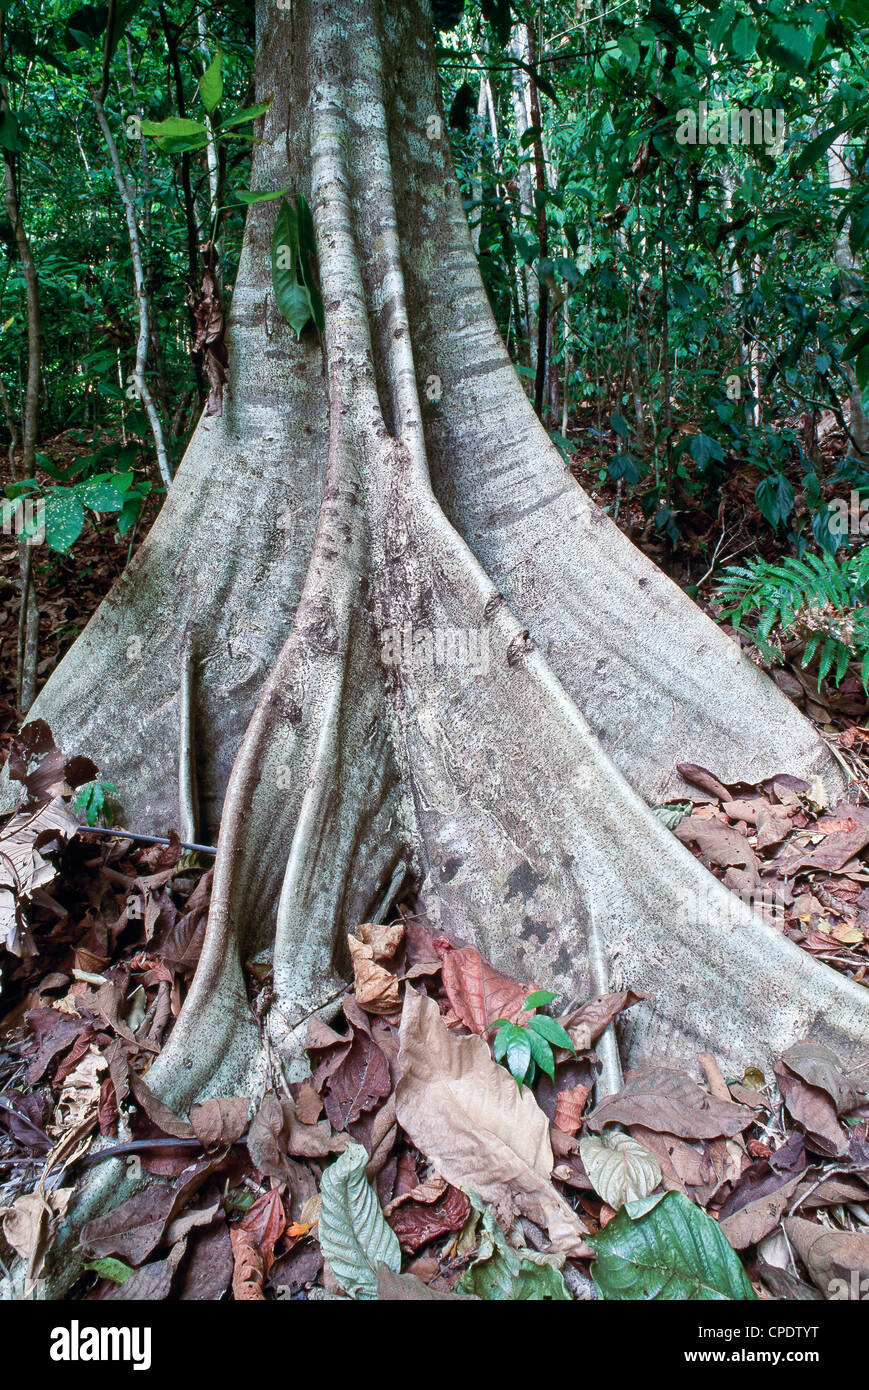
247, 1277
478, 993
144, 962
417, 1221
569, 1106
264, 1224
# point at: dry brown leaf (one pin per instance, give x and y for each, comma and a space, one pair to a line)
587, 1023
26, 842
478, 993
408, 1287
721, 845
470, 1119
384, 941
756, 1219
814, 1110
309, 1106
30, 1225
376, 988
659, 1098
79, 1098
248, 1273
831, 1256
569, 1106
218, 1123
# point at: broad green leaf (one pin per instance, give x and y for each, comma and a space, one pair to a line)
250, 113
818, 146
775, 498
518, 1054
551, 1030
105, 492
704, 448
501, 1040
743, 37
501, 1273
64, 519
541, 1053
539, 999
308, 260
110, 1268
673, 1251
354, 1235
211, 83
672, 813
177, 134
292, 297
9, 131
620, 1169
250, 198
294, 303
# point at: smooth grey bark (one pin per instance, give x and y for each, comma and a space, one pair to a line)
338, 505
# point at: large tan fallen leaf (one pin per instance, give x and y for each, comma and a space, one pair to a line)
409, 1288
384, 941
812, 1108
470, 1119
833, 1258
569, 1106
80, 1095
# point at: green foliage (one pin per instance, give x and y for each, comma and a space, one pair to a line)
666, 1248
94, 799
353, 1232
528, 1047
820, 600
110, 1268
294, 260
499, 1272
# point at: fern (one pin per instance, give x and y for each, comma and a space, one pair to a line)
818, 600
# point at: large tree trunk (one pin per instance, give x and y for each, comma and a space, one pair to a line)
410, 643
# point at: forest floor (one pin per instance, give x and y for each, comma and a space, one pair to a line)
106, 933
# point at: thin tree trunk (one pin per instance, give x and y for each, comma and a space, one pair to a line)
542, 366
28, 623
840, 186
141, 290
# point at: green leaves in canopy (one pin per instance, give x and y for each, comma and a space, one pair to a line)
177, 134
354, 1235
211, 83
665, 1249
293, 261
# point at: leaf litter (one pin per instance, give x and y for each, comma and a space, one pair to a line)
410, 1165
